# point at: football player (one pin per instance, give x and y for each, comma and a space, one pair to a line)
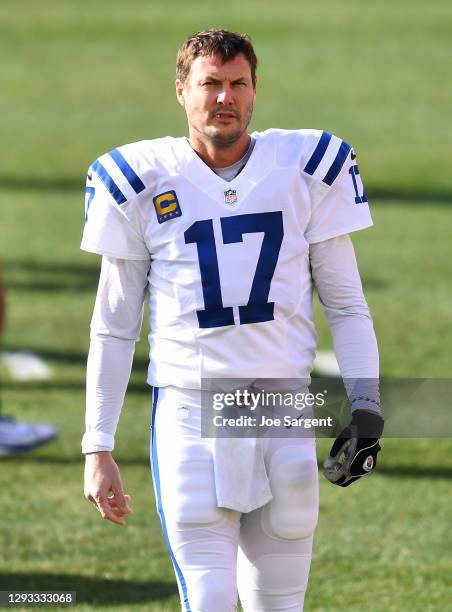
227, 233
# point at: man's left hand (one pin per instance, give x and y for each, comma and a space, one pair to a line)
354, 452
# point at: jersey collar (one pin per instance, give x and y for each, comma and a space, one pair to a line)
204, 178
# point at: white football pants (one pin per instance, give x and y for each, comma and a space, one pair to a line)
264, 555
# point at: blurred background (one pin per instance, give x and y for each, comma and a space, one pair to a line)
79, 78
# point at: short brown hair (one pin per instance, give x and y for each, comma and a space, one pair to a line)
224, 43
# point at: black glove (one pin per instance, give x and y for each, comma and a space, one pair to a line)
354, 452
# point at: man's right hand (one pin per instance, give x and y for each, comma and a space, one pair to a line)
101, 478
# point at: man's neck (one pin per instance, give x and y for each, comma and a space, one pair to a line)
220, 157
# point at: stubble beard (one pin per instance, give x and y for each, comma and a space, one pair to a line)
223, 140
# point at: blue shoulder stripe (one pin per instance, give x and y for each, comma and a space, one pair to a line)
336, 166
318, 154
127, 170
109, 182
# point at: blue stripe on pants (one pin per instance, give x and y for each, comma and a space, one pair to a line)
155, 470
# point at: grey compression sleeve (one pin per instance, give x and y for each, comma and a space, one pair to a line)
115, 327
336, 276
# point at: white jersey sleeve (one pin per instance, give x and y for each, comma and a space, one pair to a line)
339, 202
113, 226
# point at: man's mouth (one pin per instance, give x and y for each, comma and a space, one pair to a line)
224, 115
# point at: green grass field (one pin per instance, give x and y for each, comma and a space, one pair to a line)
80, 78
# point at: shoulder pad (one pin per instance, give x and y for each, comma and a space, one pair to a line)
117, 175
325, 155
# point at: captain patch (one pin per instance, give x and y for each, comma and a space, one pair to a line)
167, 206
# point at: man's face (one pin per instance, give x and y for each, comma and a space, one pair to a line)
218, 99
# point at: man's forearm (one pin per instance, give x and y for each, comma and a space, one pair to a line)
115, 327
356, 350
108, 372
336, 276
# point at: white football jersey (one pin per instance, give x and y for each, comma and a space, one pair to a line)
230, 287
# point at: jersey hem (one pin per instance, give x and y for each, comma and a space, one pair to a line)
104, 252
338, 232
87, 450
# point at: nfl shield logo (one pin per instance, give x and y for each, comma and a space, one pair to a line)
230, 196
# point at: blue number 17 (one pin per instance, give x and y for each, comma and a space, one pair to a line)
258, 309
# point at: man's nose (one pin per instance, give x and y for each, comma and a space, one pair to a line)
225, 95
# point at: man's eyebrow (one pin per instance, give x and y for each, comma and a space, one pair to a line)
217, 80
211, 78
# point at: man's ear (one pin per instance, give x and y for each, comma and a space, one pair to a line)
180, 92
